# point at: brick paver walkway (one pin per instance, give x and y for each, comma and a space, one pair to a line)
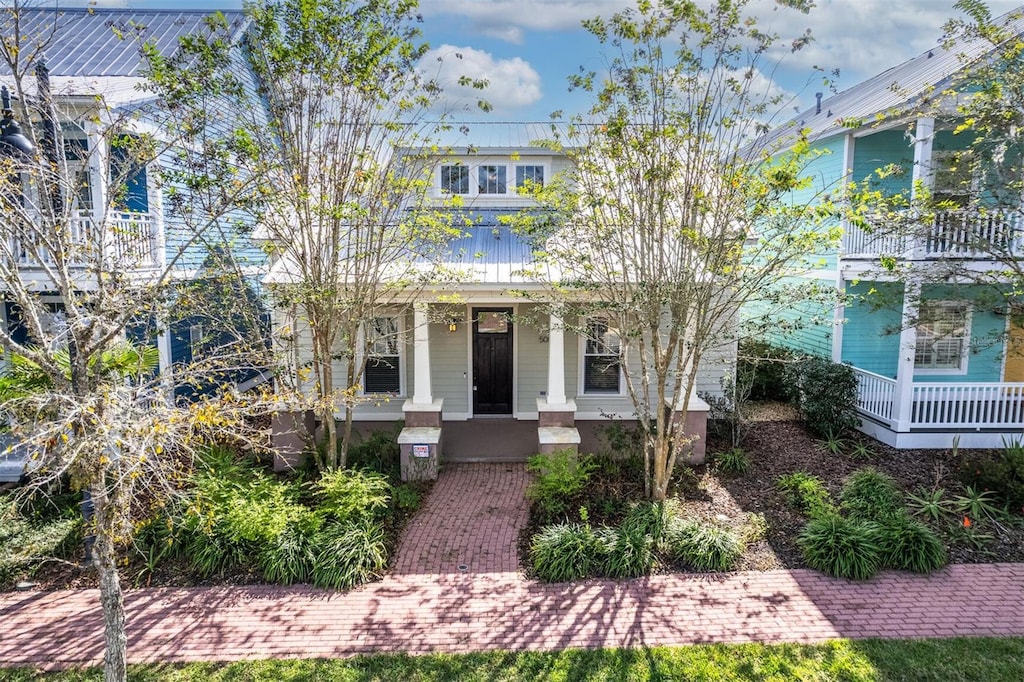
472, 519
491, 608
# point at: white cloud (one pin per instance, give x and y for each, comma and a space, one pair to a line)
512, 83
497, 17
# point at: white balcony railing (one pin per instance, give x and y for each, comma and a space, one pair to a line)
951, 234
131, 242
935, 405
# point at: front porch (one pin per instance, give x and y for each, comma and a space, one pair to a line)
932, 415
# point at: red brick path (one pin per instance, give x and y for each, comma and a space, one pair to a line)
492, 608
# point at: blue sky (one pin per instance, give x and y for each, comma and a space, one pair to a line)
527, 48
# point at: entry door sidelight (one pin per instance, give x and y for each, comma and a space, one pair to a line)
492, 361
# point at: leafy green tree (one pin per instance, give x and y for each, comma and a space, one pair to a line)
674, 218
335, 137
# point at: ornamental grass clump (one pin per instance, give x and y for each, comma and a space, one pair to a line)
629, 555
870, 495
906, 544
842, 547
704, 547
566, 551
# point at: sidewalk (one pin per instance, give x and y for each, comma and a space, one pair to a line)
454, 589
459, 613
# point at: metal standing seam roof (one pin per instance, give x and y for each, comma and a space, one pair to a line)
86, 42
896, 89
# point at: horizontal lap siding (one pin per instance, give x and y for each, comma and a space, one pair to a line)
449, 364
871, 330
533, 357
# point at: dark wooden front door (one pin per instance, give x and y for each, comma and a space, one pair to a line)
492, 361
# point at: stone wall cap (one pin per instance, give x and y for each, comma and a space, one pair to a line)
419, 434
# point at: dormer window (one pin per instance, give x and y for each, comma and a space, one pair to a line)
455, 179
529, 177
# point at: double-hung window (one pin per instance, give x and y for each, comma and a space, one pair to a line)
943, 337
602, 367
382, 373
455, 179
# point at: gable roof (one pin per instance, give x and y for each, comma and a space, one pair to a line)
83, 42
895, 90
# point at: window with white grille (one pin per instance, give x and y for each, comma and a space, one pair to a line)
943, 336
382, 372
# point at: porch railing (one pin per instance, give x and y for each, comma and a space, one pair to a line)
131, 241
875, 394
934, 405
951, 234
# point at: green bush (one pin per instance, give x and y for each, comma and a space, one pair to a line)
907, 544
566, 551
825, 392
378, 451
844, 548
290, 558
807, 494
733, 461
407, 498
349, 554
705, 547
628, 554
870, 495
558, 478
763, 366
651, 518
351, 494
1000, 471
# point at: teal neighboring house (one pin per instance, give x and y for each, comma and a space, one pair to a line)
937, 354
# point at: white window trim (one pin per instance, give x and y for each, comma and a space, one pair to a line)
511, 188
403, 356
965, 354
582, 364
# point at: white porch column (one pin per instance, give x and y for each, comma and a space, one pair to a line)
556, 360
838, 318
98, 162
904, 398
924, 136
421, 356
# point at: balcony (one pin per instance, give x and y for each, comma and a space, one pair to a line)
935, 405
980, 235
130, 241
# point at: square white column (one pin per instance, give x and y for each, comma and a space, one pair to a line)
903, 401
556, 360
421, 356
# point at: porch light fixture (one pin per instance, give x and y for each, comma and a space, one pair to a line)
453, 325
11, 137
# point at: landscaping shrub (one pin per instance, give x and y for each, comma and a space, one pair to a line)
825, 392
351, 494
1001, 472
629, 554
841, 547
732, 461
870, 495
349, 554
566, 551
907, 544
558, 478
651, 518
807, 494
291, 557
378, 451
704, 547
764, 367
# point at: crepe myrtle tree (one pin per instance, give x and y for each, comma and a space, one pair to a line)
675, 222
337, 132
969, 200
81, 273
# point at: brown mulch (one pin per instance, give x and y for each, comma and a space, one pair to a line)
775, 448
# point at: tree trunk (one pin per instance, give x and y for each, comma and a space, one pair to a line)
662, 474
115, 633
346, 436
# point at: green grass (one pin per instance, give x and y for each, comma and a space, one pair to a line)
991, 660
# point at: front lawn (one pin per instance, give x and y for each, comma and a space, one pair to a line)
985, 660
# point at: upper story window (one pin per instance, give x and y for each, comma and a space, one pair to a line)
383, 369
455, 179
955, 180
76, 151
492, 179
943, 337
602, 368
529, 176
